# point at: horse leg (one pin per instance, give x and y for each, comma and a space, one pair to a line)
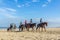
11, 29
19, 29
45, 29
33, 29
22, 28
8, 29
41, 29
36, 29
27, 29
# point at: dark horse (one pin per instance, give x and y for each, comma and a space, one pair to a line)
12, 27
21, 27
29, 25
41, 25
9, 29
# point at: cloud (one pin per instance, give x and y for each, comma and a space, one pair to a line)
49, 1
19, 6
44, 5
8, 17
10, 9
8, 14
35, 0
16, 1
27, 4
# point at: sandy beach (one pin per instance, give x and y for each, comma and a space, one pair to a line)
50, 34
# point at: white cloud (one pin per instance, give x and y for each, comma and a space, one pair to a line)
8, 17
44, 5
16, 1
27, 4
49, 1
35, 0
10, 9
8, 14
22, 4
19, 6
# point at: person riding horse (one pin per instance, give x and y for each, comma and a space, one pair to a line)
12, 27
30, 25
21, 27
41, 25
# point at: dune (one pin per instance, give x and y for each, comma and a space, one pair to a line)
50, 34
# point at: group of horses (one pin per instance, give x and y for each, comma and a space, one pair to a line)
29, 25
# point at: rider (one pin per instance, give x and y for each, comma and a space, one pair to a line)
20, 23
40, 20
31, 21
25, 21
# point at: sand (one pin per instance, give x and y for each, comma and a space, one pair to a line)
50, 34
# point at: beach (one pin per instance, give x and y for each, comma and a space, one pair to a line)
50, 34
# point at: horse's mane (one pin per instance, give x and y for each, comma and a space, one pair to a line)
44, 22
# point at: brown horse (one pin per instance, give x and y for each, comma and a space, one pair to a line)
29, 25
41, 25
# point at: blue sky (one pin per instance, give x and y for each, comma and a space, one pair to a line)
14, 11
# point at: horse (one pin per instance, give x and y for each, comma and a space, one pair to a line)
9, 29
41, 25
29, 25
12, 27
21, 27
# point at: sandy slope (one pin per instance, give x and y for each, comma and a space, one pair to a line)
51, 34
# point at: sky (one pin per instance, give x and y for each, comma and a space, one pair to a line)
15, 11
